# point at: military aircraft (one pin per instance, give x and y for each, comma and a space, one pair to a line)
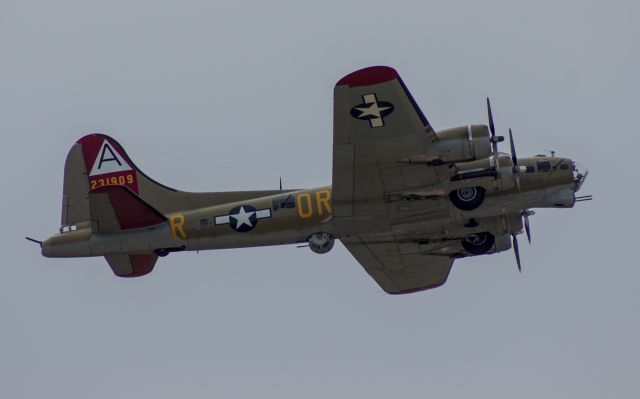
405, 200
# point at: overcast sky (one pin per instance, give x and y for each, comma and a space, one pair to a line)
213, 96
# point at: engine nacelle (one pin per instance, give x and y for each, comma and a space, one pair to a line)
460, 144
485, 243
321, 243
482, 168
502, 243
473, 245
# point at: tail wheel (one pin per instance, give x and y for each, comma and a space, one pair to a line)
162, 252
467, 198
479, 244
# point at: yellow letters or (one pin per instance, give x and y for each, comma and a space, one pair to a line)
177, 223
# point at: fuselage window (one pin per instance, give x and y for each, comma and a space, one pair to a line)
68, 228
544, 166
284, 202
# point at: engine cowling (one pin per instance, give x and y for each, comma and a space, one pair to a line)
321, 242
460, 144
473, 245
486, 243
501, 169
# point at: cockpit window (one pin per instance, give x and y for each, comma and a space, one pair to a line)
543, 166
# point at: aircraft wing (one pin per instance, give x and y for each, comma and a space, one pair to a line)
398, 268
376, 125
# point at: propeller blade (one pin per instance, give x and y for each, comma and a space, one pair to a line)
525, 216
513, 149
492, 128
516, 250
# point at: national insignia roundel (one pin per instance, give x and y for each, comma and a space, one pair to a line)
372, 110
243, 218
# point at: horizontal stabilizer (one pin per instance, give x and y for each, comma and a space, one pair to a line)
124, 265
117, 208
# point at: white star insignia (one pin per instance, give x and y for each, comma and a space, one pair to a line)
242, 221
242, 218
373, 110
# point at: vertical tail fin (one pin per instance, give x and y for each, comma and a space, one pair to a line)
97, 162
104, 190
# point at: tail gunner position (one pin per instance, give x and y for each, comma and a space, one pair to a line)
405, 201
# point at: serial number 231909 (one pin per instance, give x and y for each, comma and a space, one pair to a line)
112, 181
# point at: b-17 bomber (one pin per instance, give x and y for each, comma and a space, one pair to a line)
405, 200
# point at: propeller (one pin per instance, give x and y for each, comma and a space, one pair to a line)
492, 128
516, 175
514, 158
494, 145
516, 250
525, 216
526, 228
514, 237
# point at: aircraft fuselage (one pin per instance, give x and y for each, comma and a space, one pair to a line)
293, 216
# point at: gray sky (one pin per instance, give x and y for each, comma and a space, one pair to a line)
208, 96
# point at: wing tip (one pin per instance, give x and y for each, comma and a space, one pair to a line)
416, 289
369, 76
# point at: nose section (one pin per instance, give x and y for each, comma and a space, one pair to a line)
580, 173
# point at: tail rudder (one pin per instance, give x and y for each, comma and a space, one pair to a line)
103, 191
108, 164
95, 164
97, 161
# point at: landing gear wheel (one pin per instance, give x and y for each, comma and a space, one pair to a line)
162, 252
321, 243
479, 244
467, 198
